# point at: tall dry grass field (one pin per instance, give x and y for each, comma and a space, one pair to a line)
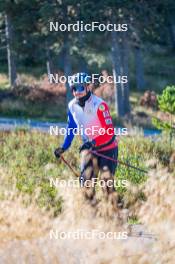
31, 210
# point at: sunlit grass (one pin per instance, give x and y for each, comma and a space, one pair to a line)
4, 83
28, 163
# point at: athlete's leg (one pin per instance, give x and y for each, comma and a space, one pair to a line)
89, 172
107, 171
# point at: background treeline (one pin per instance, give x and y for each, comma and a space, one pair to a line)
145, 53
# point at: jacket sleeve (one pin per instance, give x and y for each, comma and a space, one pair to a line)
106, 123
69, 131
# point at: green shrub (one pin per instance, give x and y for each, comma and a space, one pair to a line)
25, 155
166, 103
28, 162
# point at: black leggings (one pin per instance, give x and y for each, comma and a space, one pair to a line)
103, 162
88, 170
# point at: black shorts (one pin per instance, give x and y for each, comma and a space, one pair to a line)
104, 162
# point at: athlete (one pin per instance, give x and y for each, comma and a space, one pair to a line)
90, 115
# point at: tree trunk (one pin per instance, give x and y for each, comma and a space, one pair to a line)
67, 66
49, 63
117, 67
172, 34
66, 55
171, 20
83, 64
10, 52
140, 81
125, 72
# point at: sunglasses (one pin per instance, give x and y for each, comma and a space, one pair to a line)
78, 88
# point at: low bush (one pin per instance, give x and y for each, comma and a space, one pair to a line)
28, 162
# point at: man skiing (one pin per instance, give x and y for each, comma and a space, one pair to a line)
91, 114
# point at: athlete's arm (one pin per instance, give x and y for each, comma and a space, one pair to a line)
69, 133
106, 123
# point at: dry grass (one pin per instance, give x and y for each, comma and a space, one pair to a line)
157, 214
19, 222
25, 229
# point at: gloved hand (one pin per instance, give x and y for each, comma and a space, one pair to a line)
58, 152
87, 145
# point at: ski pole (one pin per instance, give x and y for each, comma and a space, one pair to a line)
117, 161
103, 156
70, 167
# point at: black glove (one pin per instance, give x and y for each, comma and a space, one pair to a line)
87, 145
58, 152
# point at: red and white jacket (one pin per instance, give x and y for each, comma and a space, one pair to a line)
93, 122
